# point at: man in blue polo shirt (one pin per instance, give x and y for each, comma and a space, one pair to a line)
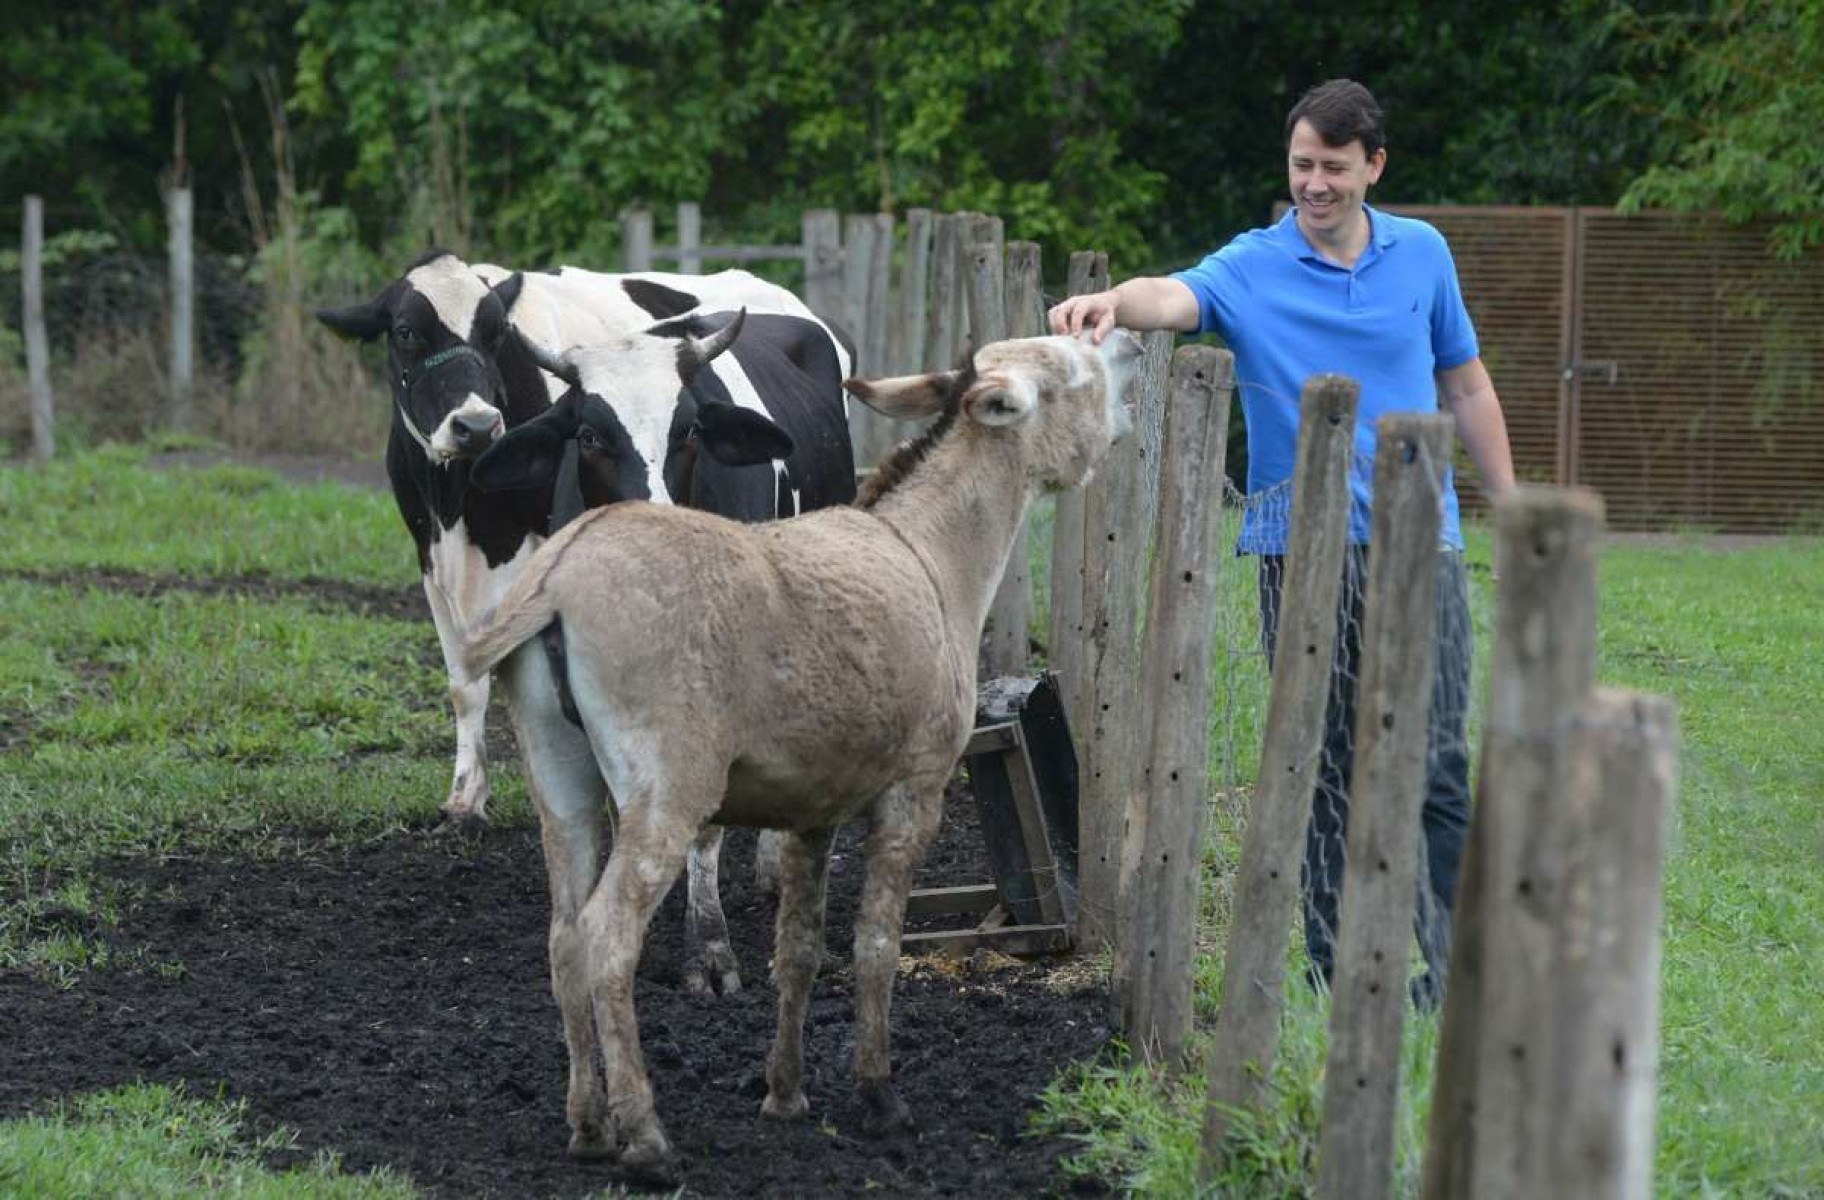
1337, 286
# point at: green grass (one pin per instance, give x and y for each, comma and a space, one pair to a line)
108, 509
149, 1143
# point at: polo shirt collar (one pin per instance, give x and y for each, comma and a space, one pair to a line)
1381, 234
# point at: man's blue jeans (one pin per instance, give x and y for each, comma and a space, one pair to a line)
1444, 817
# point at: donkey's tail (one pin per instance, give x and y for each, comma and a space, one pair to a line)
526, 609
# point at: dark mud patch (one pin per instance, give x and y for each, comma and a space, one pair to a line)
390, 1002
331, 595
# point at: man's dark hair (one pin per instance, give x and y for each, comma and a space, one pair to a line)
1341, 111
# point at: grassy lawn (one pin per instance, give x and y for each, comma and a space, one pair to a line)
192, 721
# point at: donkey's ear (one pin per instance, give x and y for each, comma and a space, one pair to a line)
363, 322
996, 401
905, 396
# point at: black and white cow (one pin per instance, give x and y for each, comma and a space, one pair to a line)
458, 383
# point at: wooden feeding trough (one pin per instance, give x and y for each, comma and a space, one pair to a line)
1023, 771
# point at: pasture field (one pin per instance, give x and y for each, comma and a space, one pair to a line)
214, 666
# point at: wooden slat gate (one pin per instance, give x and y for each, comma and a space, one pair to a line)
1665, 360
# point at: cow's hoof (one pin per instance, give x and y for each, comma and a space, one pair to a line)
468, 824
785, 1108
883, 1112
712, 979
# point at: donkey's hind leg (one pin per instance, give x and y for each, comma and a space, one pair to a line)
804, 864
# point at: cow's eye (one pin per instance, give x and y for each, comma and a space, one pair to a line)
407, 339
588, 439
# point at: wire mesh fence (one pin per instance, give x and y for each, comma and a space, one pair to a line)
266, 376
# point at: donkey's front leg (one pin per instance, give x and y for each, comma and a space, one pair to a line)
804, 864
904, 820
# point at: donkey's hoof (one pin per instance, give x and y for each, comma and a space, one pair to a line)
591, 1145
697, 981
785, 1108
883, 1112
650, 1160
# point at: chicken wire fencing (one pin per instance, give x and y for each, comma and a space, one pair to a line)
1244, 642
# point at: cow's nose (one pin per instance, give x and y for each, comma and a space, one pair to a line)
473, 429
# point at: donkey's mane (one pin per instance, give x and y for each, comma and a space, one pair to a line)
906, 457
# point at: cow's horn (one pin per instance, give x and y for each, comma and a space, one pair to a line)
705, 349
557, 364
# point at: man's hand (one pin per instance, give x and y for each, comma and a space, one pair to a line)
1094, 311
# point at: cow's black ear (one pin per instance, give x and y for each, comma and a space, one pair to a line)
526, 457
509, 288
358, 321
741, 437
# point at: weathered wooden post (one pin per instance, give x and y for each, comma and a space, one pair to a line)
1064, 648
909, 327
1386, 791
1162, 867
182, 256
1266, 894
860, 244
823, 263
1606, 1003
37, 342
946, 333
1117, 523
1004, 635
636, 239
690, 238
1486, 1139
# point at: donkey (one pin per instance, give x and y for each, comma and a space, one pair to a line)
791, 676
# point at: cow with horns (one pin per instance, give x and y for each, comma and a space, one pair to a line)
463, 372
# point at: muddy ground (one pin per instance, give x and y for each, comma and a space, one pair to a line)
391, 1003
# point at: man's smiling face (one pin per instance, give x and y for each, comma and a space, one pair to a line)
1329, 183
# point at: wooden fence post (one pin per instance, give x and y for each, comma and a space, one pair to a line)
1484, 1140
909, 329
1117, 523
636, 240
823, 266
183, 306
1399, 659
946, 337
1602, 1098
37, 342
1003, 649
1266, 891
1162, 863
690, 238
1025, 299
1064, 647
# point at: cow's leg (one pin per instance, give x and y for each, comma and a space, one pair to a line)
709, 958
804, 864
569, 795
767, 849
659, 820
468, 798
904, 820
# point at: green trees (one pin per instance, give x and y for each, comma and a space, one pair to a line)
1740, 92
1150, 128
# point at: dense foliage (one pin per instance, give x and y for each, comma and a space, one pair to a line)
1152, 128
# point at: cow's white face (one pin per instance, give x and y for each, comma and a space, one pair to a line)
637, 377
459, 302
